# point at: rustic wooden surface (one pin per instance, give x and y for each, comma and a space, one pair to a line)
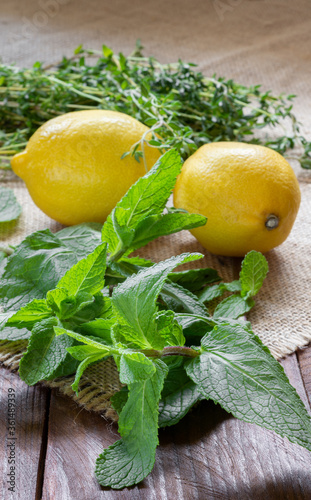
209, 455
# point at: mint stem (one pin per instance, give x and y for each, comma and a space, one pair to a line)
171, 351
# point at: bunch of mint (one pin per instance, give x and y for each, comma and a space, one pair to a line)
78, 297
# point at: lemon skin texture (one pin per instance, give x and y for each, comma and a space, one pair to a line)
249, 194
72, 164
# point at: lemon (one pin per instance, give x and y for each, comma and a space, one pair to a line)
249, 194
72, 164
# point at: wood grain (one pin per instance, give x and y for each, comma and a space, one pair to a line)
209, 455
31, 403
304, 358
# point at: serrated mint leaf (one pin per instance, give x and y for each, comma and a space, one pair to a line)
87, 276
169, 330
253, 272
134, 300
195, 279
87, 354
131, 459
233, 307
233, 286
81, 338
82, 367
194, 326
29, 315
10, 209
11, 333
178, 396
148, 196
154, 226
99, 327
39, 262
46, 356
215, 291
179, 299
80, 352
70, 306
237, 371
211, 292
135, 367
119, 399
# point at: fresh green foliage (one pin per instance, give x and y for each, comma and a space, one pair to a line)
183, 108
170, 353
131, 459
10, 209
47, 356
237, 371
41, 260
136, 309
135, 220
253, 272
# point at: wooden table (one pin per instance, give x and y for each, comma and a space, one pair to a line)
209, 455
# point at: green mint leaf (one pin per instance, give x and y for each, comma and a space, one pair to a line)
178, 396
88, 307
135, 367
10, 209
237, 371
134, 300
11, 333
46, 356
148, 196
81, 352
41, 260
214, 292
233, 307
124, 233
58, 331
87, 276
179, 299
70, 306
87, 355
129, 460
195, 279
27, 316
119, 399
82, 367
253, 272
107, 51
169, 329
154, 226
233, 286
99, 327
194, 326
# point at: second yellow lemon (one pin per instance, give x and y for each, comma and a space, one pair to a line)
72, 165
249, 194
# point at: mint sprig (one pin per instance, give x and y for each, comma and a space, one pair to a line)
80, 303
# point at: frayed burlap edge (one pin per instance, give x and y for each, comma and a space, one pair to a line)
98, 383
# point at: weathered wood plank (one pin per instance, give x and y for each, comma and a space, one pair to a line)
22, 447
304, 358
209, 455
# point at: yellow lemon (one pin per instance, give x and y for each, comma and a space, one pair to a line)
249, 194
72, 164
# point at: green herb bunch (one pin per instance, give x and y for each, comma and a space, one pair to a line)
183, 108
78, 297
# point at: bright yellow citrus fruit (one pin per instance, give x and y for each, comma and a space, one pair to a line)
72, 164
249, 194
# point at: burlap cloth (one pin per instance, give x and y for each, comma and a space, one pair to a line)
261, 41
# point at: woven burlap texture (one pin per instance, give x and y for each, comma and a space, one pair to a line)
252, 41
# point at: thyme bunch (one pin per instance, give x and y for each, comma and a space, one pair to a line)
183, 108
